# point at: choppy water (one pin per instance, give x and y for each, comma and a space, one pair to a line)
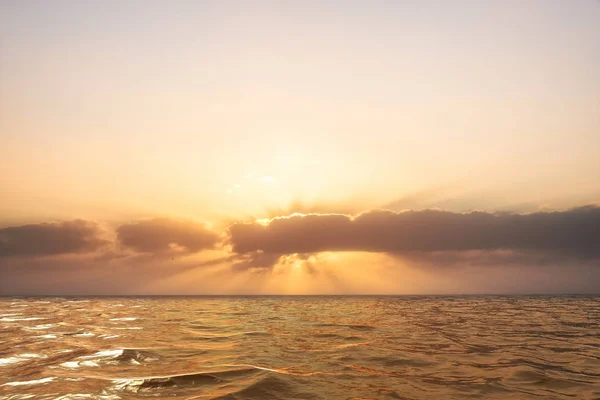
300, 348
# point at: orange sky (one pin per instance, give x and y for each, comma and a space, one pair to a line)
228, 111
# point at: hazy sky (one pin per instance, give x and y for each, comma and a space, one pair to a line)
149, 114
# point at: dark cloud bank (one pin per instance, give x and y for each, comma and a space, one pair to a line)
161, 234
47, 239
574, 232
155, 237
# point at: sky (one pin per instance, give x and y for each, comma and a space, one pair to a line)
292, 147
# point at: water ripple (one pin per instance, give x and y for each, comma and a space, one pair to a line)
511, 347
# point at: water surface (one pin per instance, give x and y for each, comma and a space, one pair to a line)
495, 347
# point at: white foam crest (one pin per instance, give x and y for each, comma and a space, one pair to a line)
106, 337
75, 396
106, 353
32, 355
84, 334
79, 364
42, 326
20, 319
70, 364
10, 360
46, 336
33, 382
130, 328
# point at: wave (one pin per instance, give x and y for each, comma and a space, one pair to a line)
350, 326
113, 357
31, 382
421, 348
269, 387
183, 380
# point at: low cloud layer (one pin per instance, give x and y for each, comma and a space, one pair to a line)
162, 235
48, 239
575, 232
372, 252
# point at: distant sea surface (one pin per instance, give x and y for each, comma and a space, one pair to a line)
271, 347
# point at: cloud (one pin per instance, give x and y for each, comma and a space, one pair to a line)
491, 258
352, 206
47, 239
574, 232
163, 235
256, 260
371, 252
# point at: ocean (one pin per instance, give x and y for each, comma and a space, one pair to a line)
300, 347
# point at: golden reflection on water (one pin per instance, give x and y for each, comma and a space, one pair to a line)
301, 347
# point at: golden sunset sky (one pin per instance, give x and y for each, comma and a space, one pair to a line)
159, 125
